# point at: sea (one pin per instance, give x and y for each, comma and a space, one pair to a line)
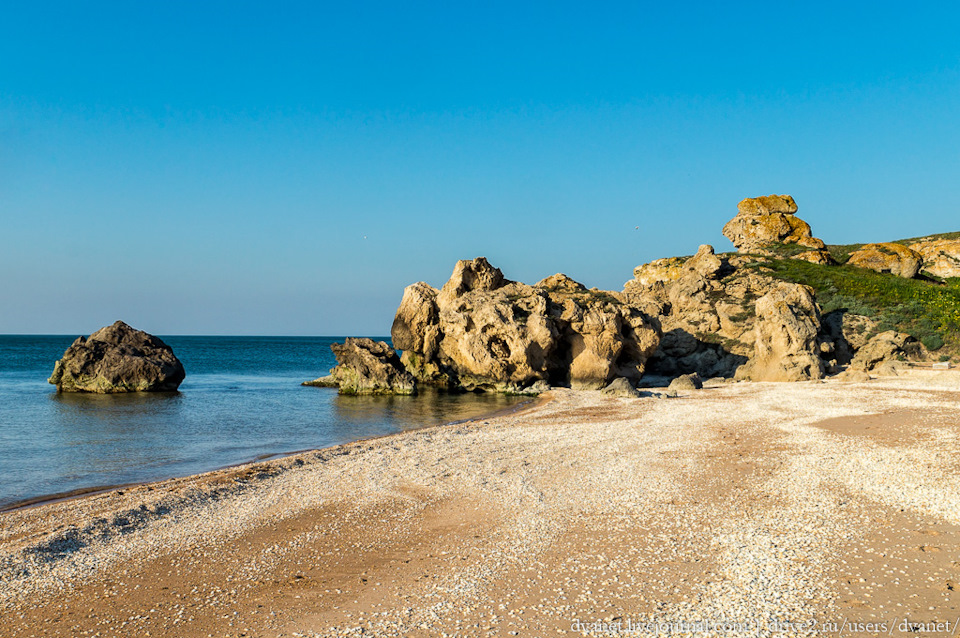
241, 401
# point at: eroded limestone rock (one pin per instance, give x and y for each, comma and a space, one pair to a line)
482, 331
941, 258
706, 313
820, 257
884, 347
888, 257
761, 221
787, 329
365, 366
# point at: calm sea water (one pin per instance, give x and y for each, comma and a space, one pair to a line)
241, 401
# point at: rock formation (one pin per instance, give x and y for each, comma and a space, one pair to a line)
761, 221
847, 332
819, 257
941, 258
481, 331
885, 347
665, 270
892, 258
706, 313
787, 329
365, 366
621, 388
686, 382
721, 318
117, 359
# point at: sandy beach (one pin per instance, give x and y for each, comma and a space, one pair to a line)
782, 509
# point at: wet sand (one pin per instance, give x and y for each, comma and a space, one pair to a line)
792, 507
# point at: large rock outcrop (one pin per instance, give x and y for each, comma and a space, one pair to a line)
941, 258
888, 257
787, 347
761, 221
481, 331
706, 313
118, 359
722, 317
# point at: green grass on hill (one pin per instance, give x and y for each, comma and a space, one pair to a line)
841, 252
926, 309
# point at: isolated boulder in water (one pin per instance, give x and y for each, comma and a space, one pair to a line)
116, 359
365, 366
895, 259
762, 221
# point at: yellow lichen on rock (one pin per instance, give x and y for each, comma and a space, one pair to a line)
762, 221
888, 257
821, 257
941, 258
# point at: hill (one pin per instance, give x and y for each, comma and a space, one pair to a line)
925, 307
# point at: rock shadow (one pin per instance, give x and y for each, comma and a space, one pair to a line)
681, 352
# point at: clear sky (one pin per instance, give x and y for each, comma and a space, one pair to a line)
287, 168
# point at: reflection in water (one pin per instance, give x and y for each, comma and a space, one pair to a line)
429, 407
241, 400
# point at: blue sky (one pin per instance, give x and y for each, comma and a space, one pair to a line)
248, 168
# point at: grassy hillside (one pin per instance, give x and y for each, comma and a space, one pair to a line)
841, 252
926, 308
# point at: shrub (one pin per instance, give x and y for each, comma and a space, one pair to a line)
932, 342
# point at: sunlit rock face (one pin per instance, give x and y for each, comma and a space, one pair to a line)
481, 331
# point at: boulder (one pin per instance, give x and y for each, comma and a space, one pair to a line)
886, 346
560, 283
761, 221
622, 388
117, 359
892, 258
941, 258
658, 270
416, 332
538, 387
687, 382
787, 329
820, 257
365, 366
853, 376
705, 262
889, 369
481, 331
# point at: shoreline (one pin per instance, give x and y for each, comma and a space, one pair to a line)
745, 500
93, 490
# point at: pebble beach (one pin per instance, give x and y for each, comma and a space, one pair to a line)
816, 508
